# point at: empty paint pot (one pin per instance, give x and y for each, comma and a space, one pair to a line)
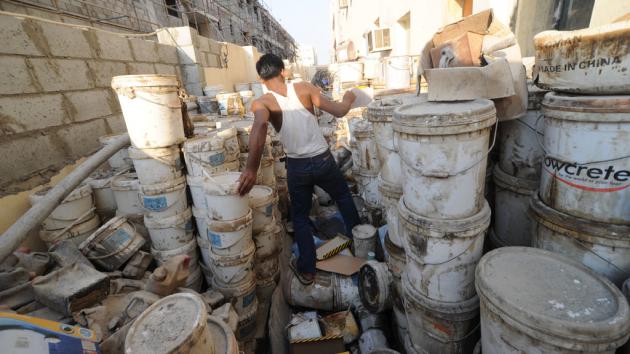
169, 232
75, 206
233, 268
156, 165
262, 200
375, 285
363, 240
536, 301
204, 153
230, 237
112, 244
164, 199
126, 188
222, 197
151, 108
329, 292
443, 147
174, 324
120, 161
390, 196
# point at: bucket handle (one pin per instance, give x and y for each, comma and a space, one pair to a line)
130, 93
579, 243
562, 159
73, 223
167, 208
113, 253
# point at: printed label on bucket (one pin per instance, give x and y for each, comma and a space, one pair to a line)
216, 159
249, 298
154, 204
592, 178
117, 239
215, 239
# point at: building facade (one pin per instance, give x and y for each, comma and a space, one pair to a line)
242, 22
306, 55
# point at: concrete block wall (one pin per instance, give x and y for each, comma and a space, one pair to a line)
55, 95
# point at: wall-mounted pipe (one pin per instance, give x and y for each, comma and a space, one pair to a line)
17, 233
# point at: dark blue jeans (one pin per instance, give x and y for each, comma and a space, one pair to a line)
303, 175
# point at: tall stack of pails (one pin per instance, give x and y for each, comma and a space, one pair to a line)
443, 218
151, 108
232, 249
517, 174
366, 164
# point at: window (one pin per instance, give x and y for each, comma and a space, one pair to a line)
379, 40
171, 7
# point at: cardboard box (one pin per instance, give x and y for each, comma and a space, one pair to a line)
321, 345
464, 50
477, 23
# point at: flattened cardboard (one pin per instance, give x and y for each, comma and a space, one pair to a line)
464, 50
332, 247
341, 264
477, 23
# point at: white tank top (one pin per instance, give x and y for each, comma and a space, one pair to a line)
299, 134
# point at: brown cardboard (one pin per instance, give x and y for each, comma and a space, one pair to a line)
477, 23
341, 264
322, 345
332, 247
464, 50
468, 83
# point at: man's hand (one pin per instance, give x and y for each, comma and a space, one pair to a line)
246, 182
349, 97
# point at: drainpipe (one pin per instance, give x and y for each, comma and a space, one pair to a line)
17, 233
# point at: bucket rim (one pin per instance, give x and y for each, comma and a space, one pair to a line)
170, 186
151, 153
126, 182
468, 309
388, 189
459, 117
229, 339
515, 184
259, 201
560, 106
166, 222
377, 111
90, 225
144, 80
224, 188
230, 225
366, 231
108, 227
613, 328
204, 143
185, 249
81, 191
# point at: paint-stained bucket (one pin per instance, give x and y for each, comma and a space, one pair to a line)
268, 176
104, 200
266, 268
112, 244
156, 165
268, 241
126, 188
390, 196
262, 200
230, 103
204, 153
169, 232
586, 169
152, 109
536, 301
77, 233
242, 293
77, 206
398, 72
223, 338
246, 328
375, 281
442, 254
443, 147
603, 247
195, 184
120, 161
229, 135
230, 237
440, 327
222, 197
247, 96
367, 182
189, 249
265, 289
208, 104
396, 260
329, 292
177, 323
201, 216
231, 269
512, 225
195, 279
204, 249
363, 135
164, 199
363, 240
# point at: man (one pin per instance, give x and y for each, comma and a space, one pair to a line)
290, 109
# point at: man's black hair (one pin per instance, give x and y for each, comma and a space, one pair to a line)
269, 66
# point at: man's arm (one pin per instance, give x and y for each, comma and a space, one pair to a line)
337, 109
257, 138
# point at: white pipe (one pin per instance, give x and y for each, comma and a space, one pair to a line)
17, 233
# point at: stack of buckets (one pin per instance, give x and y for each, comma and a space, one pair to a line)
517, 174
231, 254
582, 208
152, 111
366, 164
443, 218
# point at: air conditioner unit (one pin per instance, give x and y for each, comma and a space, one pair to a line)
343, 4
379, 40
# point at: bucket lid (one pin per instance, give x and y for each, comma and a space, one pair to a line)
106, 139
467, 309
126, 182
173, 322
223, 338
615, 235
260, 195
122, 81
434, 118
364, 231
161, 222
546, 292
518, 185
617, 106
82, 191
142, 154
164, 187
464, 227
225, 183
211, 142
382, 110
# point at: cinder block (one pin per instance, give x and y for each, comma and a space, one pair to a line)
81, 138
91, 104
144, 50
140, 68
167, 53
112, 46
204, 44
20, 36
203, 59
30, 112
61, 74
66, 41
103, 71
213, 61
188, 55
15, 75
165, 69
215, 47
182, 36
192, 73
115, 123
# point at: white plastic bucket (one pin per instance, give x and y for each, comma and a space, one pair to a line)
442, 254
189, 249
443, 147
74, 206
586, 169
164, 199
203, 127
246, 328
268, 241
512, 225
208, 105
262, 200
119, 161
171, 324
212, 90
230, 237
363, 136
520, 151
328, 292
535, 301
222, 198
257, 88
242, 293
156, 165
265, 289
603, 247
363, 240
243, 86
169, 232
112, 244
77, 233
200, 220
268, 175
390, 196
247, 96
229, 135
205, 153
398, 72
104, 200
375, 286
126, 188
195, 184
206, 261
243, 127
224, 341
230, 104
440, 327
152, 109
349, 72
266, 268
230, 269
368, 188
